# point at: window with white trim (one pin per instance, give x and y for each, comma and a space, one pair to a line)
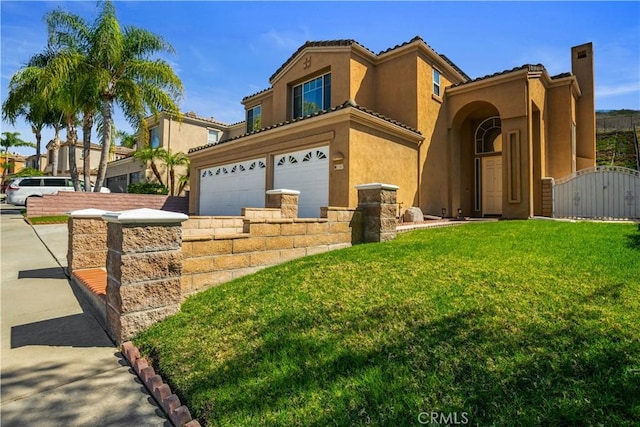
212, 136
254, 116
436, 82
312, 96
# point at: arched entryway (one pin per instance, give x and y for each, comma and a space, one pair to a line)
488, 167
476, 154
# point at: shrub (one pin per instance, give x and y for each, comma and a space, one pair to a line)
147, 188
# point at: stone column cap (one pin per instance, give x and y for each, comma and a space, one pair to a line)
376, 186
144, 216
87, 213
283, 191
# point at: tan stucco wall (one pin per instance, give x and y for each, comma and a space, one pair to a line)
124, 167
336, 61
582, 66
559, 131
362, 82
396, 92
380, 157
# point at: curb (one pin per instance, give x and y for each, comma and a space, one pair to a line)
176, 412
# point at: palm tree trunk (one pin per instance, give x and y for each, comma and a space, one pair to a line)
6, 164
107, 126
72, 138
37, 131
54, 153
172, 175
156, 172
87, 124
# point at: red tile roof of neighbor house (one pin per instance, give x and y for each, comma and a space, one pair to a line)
347, 104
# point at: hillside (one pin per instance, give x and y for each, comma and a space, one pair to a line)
617, 134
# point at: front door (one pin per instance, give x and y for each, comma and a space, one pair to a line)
492, 185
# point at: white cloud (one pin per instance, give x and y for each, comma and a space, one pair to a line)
284, 40
616, 90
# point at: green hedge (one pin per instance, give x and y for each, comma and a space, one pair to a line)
147, 188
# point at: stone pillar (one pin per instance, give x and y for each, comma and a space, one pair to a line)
87, 243
285, 200
144, 267
377, 202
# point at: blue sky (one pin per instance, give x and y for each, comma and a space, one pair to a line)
228, 50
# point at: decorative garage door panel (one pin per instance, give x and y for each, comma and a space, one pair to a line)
308, 172
225, 190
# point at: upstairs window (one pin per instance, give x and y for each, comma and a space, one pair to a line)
212, 137
436, 82
312, 96
154, 137
253, 119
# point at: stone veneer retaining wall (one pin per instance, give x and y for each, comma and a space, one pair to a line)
155, 258
216, 255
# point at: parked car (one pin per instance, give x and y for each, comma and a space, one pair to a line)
20, 189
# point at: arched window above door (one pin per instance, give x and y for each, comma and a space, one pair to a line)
488, 137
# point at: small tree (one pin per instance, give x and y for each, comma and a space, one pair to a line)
172, 160
148, 155
126, 139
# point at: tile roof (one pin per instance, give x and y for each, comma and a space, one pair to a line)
325, 43
561, 76
350, 42
529, 67
348, 104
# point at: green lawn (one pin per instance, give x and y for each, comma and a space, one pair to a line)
504, 323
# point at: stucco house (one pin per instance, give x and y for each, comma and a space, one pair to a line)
94, 158
170, 132
337, 115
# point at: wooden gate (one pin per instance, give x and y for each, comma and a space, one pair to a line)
607, 192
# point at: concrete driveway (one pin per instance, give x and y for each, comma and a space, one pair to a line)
59, 368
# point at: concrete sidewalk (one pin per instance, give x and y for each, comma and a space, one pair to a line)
59, 368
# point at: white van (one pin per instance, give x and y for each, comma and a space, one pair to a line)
36, 186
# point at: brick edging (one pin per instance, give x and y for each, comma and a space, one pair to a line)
176, 412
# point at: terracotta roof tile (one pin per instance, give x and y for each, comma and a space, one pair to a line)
561, 76
347, 104
325, 43
529, 67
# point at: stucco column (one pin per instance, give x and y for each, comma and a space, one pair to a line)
87, 243
144, 267
378, 204
285, 200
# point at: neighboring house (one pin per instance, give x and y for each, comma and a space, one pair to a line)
15, 163
94, 158
171, 133
30, 162
337, 115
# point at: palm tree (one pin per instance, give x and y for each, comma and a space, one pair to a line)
64, 89
68, 34
172, 160
126, 139
120, 65
25, 99
11, 139
148, 155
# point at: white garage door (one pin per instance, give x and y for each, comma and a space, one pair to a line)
225, 190
308, 172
